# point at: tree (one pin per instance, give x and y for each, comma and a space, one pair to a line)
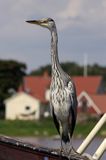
41, 70
11, 73
74, 69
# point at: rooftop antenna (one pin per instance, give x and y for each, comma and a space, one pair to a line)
85, 72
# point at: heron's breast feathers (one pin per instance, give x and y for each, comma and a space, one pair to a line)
62, 99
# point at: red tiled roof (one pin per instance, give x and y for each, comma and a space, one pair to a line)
100, 101
89, 84
36, 86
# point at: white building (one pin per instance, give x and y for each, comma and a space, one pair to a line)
22, 106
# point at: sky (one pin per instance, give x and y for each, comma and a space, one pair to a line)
81, 26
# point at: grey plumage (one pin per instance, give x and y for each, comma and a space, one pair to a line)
63, 99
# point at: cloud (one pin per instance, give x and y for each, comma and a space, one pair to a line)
87, 14
72, 9
81, 26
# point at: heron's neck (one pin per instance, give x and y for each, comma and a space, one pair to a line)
54, 51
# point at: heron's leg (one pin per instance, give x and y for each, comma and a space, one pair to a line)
61, 130
72, 150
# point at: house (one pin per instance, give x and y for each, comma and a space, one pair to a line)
91, 95
22, 106
37, 87
92, 104
31, 100
88, 88
90, 84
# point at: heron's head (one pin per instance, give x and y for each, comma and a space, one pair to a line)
45, 22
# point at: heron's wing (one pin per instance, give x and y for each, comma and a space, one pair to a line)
71, 120
55, 120
72, 110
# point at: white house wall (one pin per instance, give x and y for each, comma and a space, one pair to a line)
16, 107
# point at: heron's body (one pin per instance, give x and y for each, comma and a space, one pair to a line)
62, 94
63, 98
62, 106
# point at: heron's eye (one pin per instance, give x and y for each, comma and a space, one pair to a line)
50, 20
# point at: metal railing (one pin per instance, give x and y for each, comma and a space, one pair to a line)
102, 148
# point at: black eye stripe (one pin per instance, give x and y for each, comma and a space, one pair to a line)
47, 20
50, 19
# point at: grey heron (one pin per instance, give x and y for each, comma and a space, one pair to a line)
63, 99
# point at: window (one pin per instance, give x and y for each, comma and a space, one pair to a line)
27, 108
84, 106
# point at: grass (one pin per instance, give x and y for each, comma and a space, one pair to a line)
27, 128
44, 127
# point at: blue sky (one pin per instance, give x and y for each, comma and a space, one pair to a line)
81, 28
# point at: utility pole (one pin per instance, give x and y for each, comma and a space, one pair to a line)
85, 71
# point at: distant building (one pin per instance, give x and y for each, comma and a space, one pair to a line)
88, 88
90, 84
22, 106
91, 96
92, 104
37, 87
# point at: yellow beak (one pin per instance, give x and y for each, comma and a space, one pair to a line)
42, 22
38, 22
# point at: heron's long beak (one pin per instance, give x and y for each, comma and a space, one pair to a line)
38, 22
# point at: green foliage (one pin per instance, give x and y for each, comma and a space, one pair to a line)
97, 70
73, 69
44, 127
11, 73
41, 70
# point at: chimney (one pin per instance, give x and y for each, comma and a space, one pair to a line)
85, 72
25, 87
45, 74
